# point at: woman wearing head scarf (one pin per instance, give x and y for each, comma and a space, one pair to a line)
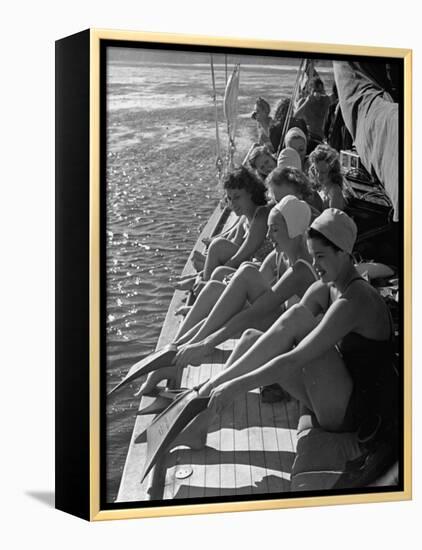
333, 351
349, 349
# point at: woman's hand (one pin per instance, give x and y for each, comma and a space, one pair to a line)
193, 354
153, 378
222, 395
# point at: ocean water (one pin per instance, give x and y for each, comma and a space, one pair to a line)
161, 189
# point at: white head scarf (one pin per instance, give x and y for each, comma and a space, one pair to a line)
289, 157
296, 213
294, 133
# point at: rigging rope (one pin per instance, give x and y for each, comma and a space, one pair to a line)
218, 161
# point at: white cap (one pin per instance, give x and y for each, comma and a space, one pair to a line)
289, 157
296, 213
337, 227
294, 133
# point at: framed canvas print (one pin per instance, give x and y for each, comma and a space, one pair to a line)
233, 283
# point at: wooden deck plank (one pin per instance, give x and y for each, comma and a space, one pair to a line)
272, 456
182, 457
256, 444
243, 478
225, 446
196, 481
212, 459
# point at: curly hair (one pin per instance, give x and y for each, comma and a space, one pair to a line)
257, 152
293, 177
263, 103
243, 178
281, 109
323, 152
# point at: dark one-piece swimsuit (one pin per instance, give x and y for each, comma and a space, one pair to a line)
375, 379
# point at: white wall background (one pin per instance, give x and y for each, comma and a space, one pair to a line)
29, 30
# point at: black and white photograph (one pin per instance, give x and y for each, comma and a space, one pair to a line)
252, 274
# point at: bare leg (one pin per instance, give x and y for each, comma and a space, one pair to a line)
246, 285
202, 306
198, 260
323, 386
166, 373
183, 310
186, 283
221, 272
287, 331
219, 252
246, 341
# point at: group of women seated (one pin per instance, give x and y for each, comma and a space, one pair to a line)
284, 280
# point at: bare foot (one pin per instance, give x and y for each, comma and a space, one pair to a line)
183, 310
206, 241
185, 284
198, 260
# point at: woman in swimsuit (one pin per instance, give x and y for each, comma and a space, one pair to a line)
251, 299
246, 195
333, 351
326, 177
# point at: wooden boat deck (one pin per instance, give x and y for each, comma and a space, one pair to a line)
249, 450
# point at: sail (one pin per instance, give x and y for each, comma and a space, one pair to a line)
230, 109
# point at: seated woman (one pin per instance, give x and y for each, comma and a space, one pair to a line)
249, 300
290, 181
281, 182
262, 161
326, 176
333, 352
246, 196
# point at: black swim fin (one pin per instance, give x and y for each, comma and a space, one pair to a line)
157, 360
170, 423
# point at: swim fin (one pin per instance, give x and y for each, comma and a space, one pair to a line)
163, 399
157, 360
170, 423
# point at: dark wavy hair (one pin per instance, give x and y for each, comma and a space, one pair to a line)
323, 152
243, 178
257, 152
281, 109
295, 178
